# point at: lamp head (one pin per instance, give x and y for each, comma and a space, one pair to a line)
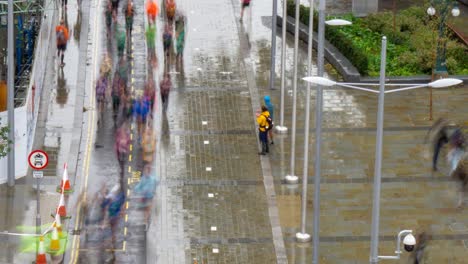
455, 11
319, 81
338, 22
445, 82
431, 11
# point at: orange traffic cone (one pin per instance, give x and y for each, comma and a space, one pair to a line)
61, 210
58, 224
65, 186
54, 241
41, 257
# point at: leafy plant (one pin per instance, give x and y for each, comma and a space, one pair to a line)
4, 141
411, 42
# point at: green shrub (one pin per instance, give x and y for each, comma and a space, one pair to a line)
411, 42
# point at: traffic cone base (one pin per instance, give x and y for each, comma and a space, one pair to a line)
65, 191
54, 245
41, 259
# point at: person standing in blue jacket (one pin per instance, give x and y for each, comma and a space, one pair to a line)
271, 109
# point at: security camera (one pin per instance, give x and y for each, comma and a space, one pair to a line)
409, 241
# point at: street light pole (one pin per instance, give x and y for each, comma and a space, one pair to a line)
291, 177
318, 131
281, 128
11, 96
303, 236
273, 44
444, 5
378, 159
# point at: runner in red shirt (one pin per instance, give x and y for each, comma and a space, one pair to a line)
61, 32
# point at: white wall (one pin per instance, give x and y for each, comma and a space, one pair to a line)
26, 115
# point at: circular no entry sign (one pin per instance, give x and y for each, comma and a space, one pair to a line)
38, 159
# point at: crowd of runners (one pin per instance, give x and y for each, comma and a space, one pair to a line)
132, 108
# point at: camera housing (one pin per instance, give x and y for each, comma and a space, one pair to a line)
409, 242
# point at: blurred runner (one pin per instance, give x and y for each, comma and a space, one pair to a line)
114, 202
141, 109
108, 14
146, 189
152, 10
121, 39
150, 93
61, 32
170, 9
122, 143
148, 143
180, 36
438, 137
151, 40
167, 39
115, 9
129, 12
101, 89
165, 86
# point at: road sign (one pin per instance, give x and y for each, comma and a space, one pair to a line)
38, 174
38, 159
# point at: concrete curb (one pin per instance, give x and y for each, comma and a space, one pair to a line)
344, 66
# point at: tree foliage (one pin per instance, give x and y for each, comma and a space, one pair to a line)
4, 141
411, 42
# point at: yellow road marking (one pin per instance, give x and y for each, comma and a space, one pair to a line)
129, 168
128, 180
130, 157
126, 205
131, 136
126, 219
131, 147
128, 190
75, 245
125, 231
124, 245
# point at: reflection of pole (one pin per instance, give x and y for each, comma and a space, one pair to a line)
281, 128
303, 236
38, 212
291, 178
318, 130
378, 159
273, 44
11, 96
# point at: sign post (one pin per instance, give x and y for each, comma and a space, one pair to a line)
38, 160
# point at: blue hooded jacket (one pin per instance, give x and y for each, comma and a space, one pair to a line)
270, 107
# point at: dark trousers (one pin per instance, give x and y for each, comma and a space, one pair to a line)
263, 135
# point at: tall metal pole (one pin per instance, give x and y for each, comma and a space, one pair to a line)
273, 44
291, 177
303, 236
378, 159
11, 95
281, 128
318, 130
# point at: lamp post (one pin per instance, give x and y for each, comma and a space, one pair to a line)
444, 5
273, 44
291, 177
320, 81
303, 236
281, 128
11, 96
